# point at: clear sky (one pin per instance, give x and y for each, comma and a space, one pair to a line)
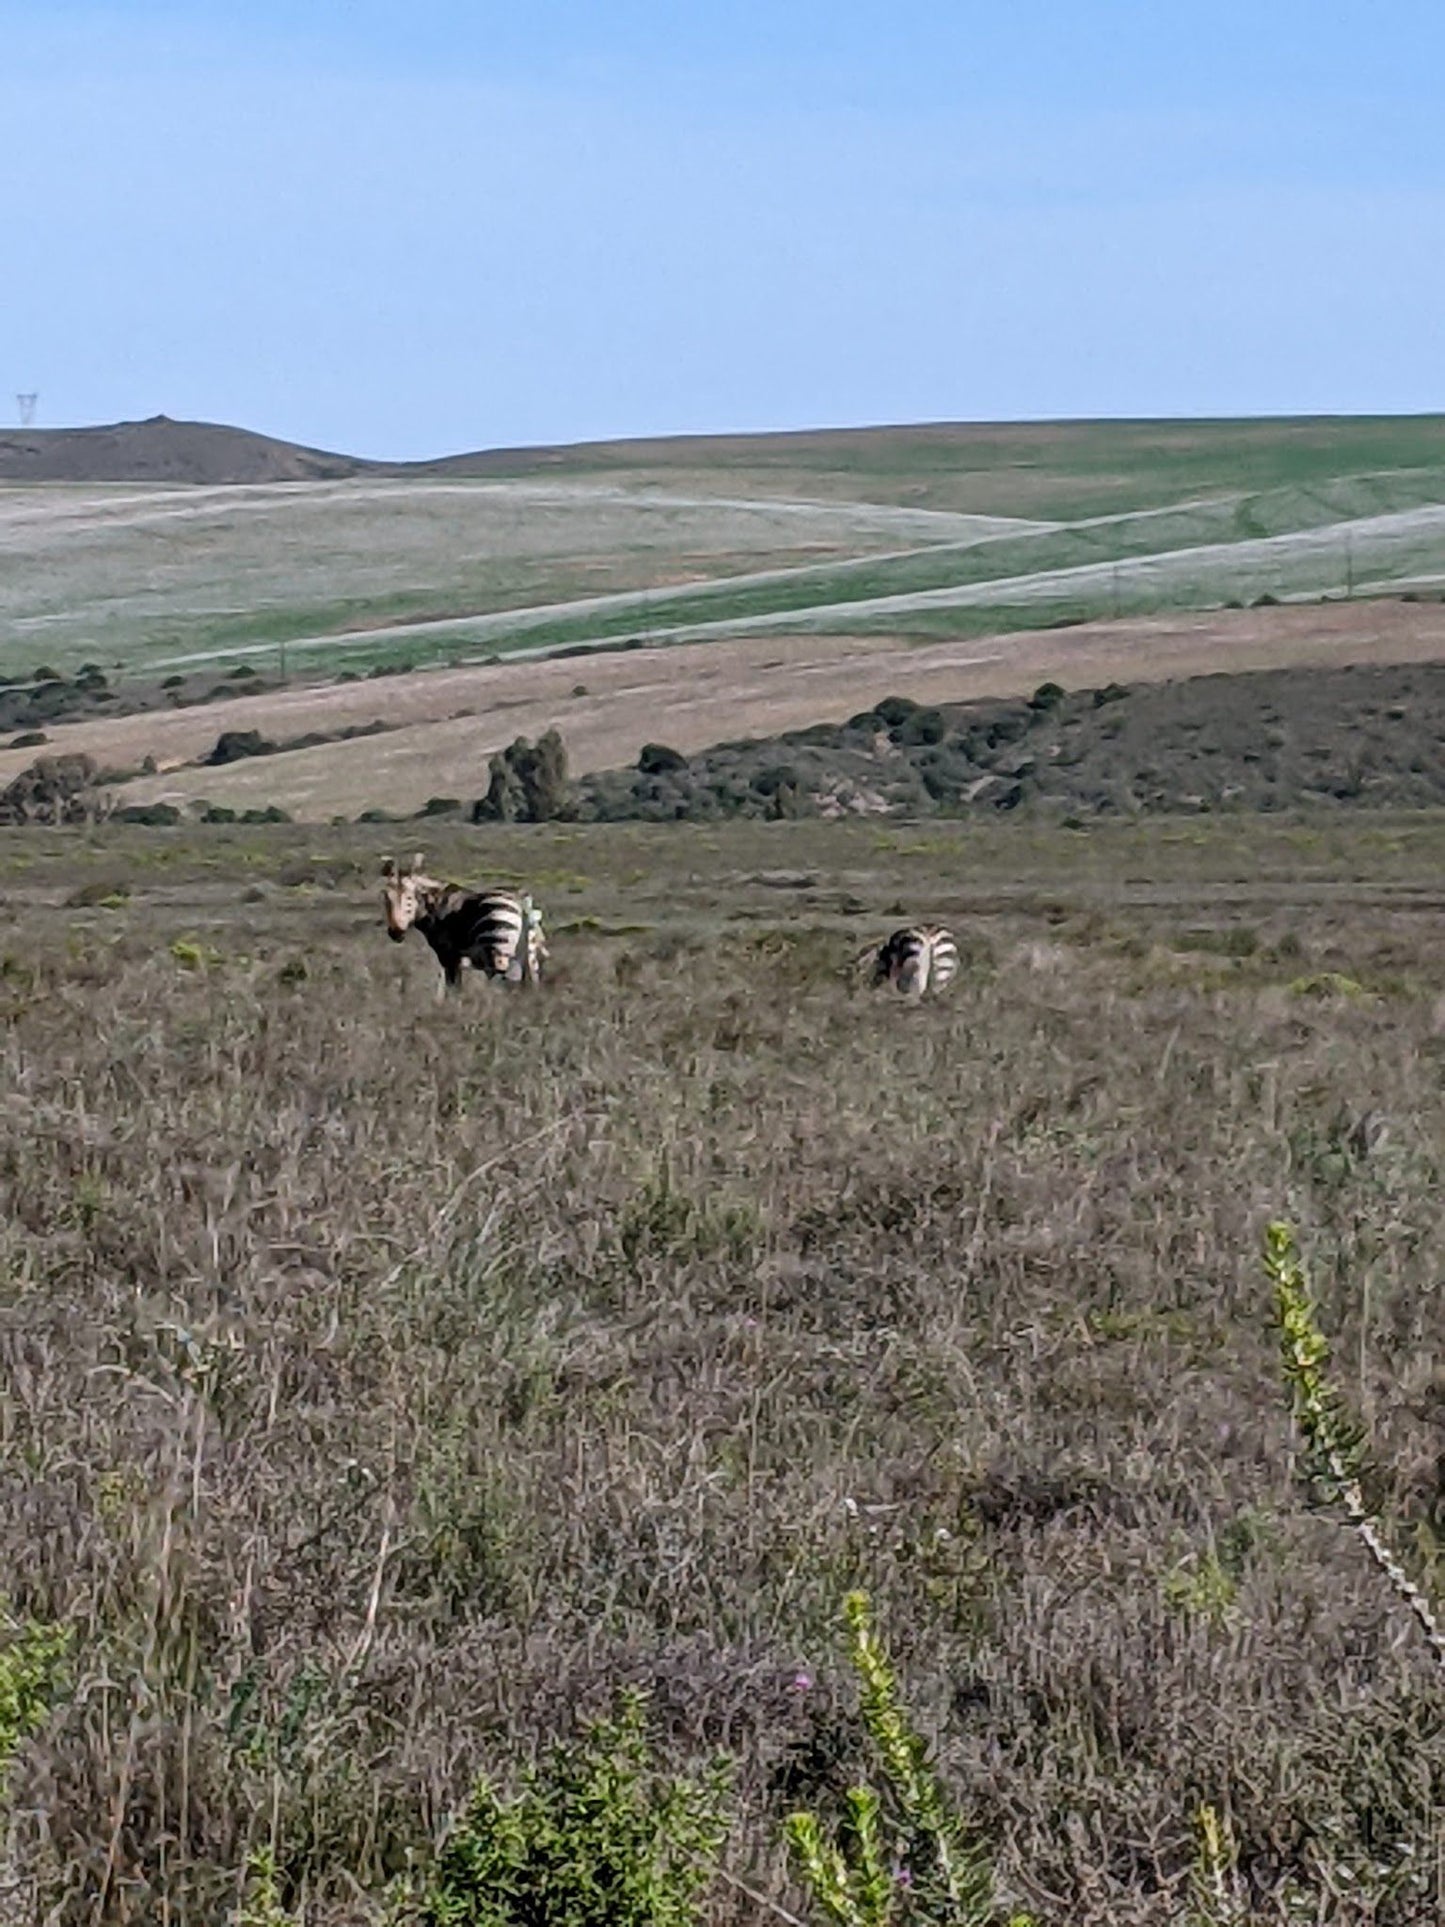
406, 229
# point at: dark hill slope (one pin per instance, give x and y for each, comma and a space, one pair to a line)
161, 450
1286, 739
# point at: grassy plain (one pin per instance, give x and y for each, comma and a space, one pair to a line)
386, 1384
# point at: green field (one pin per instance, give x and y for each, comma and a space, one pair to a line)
912, 531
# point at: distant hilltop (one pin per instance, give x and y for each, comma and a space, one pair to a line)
211, 454
161, 450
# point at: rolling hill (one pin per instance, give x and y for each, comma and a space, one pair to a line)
938, 560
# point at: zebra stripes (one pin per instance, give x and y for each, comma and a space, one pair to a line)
915, 960
493, 931
500, 934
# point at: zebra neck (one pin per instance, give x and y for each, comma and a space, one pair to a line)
435, 900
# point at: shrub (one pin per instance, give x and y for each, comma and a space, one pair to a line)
1047, 696
936, 1871
52, 790
233, 744
153, 816
29, 739
1334, 1460
924, 726
656, 759
528, 783
32, 1653
596, 1837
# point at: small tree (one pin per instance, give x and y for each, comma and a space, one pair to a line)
528, 783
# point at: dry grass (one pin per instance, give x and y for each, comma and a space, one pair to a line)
383, 1386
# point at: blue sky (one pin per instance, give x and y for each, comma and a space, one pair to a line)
407, 229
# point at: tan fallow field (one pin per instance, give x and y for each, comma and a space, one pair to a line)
449, 721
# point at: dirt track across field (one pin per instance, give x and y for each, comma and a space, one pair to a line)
607, 706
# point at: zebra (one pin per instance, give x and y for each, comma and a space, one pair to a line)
488, 930
921, 957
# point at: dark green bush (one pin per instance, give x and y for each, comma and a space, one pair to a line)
154, 816
656, 759
234, 744
895, 710
528, 783
596, 1837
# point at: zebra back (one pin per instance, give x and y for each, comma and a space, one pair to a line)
917, 958
485, 928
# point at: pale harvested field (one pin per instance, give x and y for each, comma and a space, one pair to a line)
165, 576
946, 532
453, 719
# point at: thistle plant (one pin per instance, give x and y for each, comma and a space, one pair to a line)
1333, 1455
903, 1853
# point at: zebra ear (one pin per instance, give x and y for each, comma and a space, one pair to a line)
418, 861
388, 866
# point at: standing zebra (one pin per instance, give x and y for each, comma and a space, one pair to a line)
488, 930
920, 958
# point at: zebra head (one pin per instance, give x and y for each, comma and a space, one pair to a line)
401, 896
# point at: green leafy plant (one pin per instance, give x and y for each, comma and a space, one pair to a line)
261, 1906
32, 1653
596, 1837
903, 1854
191, 954
1333, 1456
1201, 1587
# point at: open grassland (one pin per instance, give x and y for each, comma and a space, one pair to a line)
911, 530
385, 1384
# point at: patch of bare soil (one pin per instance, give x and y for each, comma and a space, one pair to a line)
447, 722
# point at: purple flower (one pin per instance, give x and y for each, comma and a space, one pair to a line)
801, 1682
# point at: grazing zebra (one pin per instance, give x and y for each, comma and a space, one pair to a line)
917, 959
488, 930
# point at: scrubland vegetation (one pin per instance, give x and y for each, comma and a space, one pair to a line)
390, 1392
